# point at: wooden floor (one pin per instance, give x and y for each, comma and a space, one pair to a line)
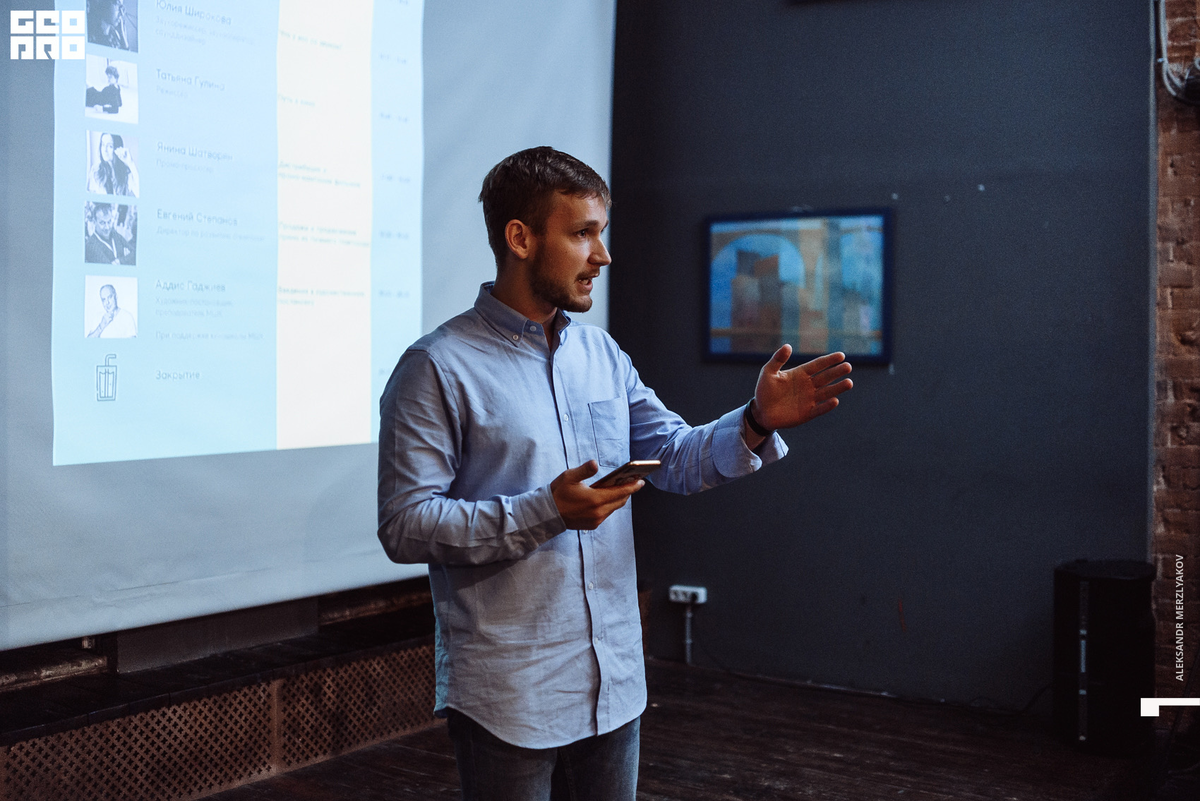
708, 736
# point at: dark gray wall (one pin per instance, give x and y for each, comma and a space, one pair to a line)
1013, 139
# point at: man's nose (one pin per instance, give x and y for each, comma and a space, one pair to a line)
600, 254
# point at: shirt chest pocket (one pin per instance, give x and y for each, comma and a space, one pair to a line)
610, 426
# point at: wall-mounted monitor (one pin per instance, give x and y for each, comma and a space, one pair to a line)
819, 281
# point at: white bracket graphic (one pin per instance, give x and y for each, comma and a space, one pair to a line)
1150, 706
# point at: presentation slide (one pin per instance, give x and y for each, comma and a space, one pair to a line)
237, 226
223, 224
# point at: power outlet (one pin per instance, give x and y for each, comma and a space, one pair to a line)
683, 594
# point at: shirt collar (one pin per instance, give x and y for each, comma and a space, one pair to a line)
510, 323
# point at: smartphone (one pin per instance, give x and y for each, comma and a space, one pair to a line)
628, 472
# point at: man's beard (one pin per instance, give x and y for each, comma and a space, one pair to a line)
545, 289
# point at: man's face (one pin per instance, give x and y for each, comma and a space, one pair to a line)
103, 222
569, 253
108, 297
110, 11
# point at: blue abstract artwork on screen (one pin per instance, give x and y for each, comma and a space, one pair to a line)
817, 282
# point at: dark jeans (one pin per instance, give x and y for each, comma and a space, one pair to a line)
601, 768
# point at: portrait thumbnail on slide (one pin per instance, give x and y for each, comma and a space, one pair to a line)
112, 89
113, 23
112, 164
110, 233
110, 307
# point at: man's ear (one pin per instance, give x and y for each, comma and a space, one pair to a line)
522, 242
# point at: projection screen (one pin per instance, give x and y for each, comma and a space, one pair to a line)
223, 223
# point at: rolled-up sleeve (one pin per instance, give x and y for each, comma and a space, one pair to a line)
420, 451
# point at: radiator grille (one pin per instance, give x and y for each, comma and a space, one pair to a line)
192, 749
331, 711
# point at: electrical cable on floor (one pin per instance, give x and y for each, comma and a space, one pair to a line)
992, 712
975, 704
687, 635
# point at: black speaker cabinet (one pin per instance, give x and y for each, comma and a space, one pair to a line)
1103, 654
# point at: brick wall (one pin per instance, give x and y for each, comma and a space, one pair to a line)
1177, 366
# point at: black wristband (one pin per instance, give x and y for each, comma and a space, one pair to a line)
748, 416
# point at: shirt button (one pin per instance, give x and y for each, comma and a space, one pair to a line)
516, 337
591, 586
566, 416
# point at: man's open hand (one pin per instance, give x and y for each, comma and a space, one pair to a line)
582, 506
786, 398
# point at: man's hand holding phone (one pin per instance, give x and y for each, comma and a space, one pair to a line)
586, 507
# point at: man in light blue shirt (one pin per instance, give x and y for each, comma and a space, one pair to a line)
492, 427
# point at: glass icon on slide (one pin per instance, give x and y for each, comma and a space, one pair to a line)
106, 379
